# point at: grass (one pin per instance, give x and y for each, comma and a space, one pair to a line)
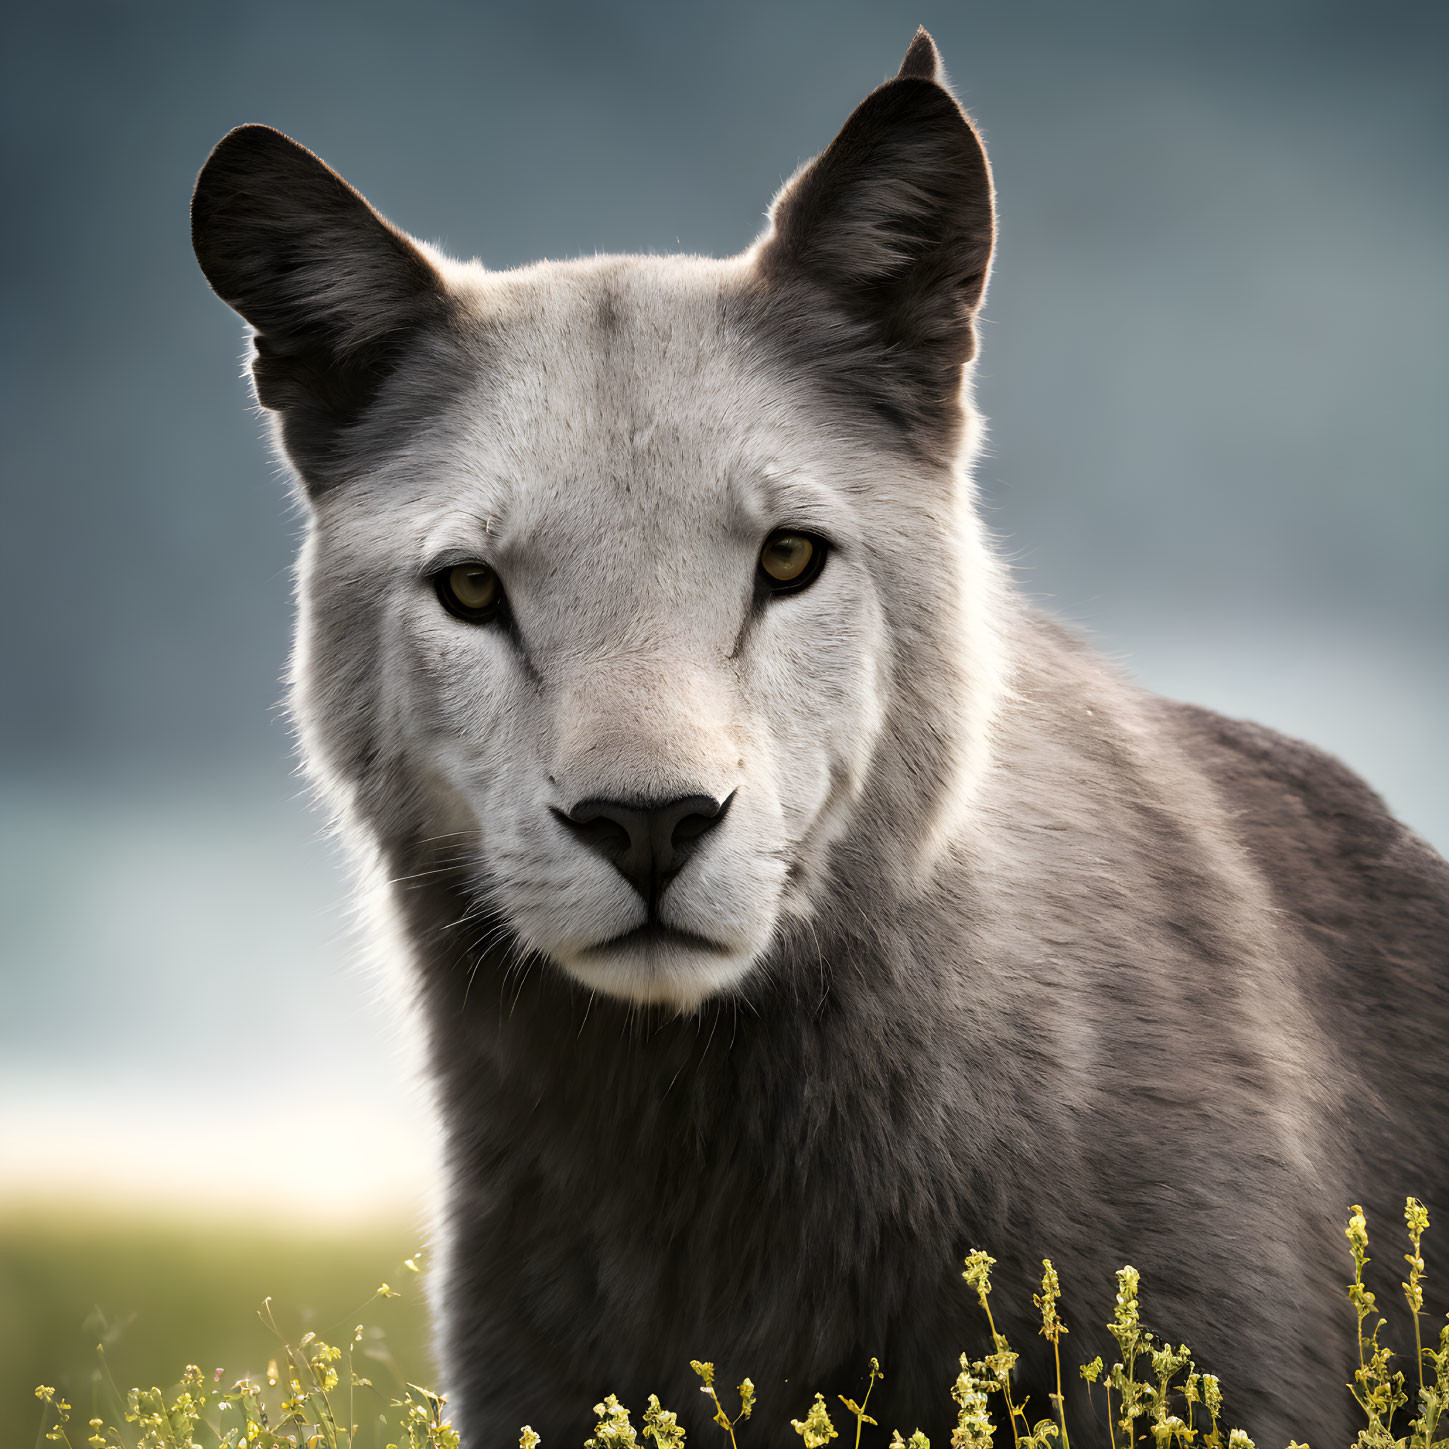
331, 1376
159, 1295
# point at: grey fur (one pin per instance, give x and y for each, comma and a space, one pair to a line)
1009, 952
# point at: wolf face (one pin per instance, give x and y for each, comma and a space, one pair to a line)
613, 565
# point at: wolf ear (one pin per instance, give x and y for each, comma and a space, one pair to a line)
878, 251
334, 292
923, 60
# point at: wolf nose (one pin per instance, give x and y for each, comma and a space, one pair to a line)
647, 844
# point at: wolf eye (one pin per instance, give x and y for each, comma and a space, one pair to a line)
791, 560
470, 591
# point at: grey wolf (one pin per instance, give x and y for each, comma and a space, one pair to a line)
788, 905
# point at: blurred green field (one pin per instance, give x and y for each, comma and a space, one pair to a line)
165, 1293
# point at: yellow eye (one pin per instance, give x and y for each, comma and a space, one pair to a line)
790, 560
471, 591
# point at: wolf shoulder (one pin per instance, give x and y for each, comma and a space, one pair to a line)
1371, 893
1367, 900
1365, 894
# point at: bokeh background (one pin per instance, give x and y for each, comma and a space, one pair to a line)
1215, 367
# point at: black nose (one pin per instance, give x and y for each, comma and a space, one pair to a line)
648, 843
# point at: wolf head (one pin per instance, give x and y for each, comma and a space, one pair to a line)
646, 592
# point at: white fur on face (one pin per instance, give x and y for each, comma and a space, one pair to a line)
620, 461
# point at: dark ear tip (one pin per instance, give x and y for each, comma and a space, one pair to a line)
251, 132
923, 60
249, 145
249, 170
249, 159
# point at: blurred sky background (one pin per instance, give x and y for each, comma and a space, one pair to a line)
1214, 362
